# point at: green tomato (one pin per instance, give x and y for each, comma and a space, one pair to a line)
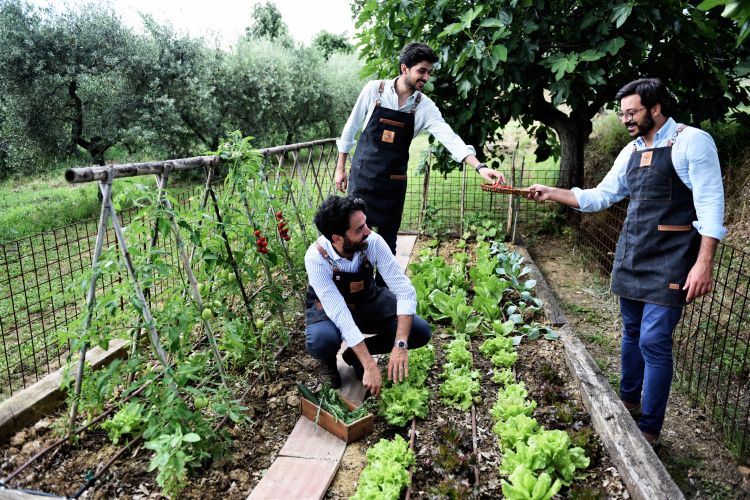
207, 314
216, 304
202, 288
259, 324
200, 402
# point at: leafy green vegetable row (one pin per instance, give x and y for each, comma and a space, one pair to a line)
538, 462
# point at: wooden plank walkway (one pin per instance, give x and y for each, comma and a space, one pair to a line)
309, 459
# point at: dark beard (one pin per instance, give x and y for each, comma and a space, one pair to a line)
646, 127
350, 248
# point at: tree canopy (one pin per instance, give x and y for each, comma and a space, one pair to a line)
76, 83
330, 43
553, 64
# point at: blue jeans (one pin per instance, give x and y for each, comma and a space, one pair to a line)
646, 359
323, 339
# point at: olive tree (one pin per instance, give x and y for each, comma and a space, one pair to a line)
63, 78
553, 64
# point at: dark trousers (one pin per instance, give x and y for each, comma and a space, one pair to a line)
646, 359
323, 339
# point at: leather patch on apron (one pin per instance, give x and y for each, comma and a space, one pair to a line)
666, 227
674, 286
388, 136
356, 286
646, 158
391, 122
395, 177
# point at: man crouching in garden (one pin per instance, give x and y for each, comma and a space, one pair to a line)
343, 301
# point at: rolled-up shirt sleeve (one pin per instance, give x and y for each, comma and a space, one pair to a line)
380, 255
346, 142
436, 125
704, 173
320, 276
610, 190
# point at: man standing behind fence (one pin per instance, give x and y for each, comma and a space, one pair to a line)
391, 113
665, 252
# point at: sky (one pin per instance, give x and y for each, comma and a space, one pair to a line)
228, 19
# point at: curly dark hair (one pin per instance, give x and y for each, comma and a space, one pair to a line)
335, 214
415, 52
651, 91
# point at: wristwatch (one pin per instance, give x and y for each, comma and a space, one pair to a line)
480, 167
401, 344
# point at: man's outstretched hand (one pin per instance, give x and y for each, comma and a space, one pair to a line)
398, 365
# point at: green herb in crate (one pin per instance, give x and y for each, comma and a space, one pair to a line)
329, 400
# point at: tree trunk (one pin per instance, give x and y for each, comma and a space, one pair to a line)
96, 147
573, 133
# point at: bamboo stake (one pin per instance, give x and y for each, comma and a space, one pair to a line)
509, 222
232, 261
517, 205
463, 202
161, 182
145, 311
106, 189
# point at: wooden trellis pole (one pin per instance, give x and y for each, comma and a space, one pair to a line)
108, 212
161, 183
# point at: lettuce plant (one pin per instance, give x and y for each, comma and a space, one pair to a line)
386, 473
517, 428
461, 386
524, 485
549, 451
511, 401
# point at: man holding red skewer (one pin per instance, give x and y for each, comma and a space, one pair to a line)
391, 113
664, 256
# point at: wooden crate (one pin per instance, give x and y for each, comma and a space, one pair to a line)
348, 433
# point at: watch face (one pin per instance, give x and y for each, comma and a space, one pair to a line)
401, 344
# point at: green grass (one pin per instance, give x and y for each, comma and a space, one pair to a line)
30, 207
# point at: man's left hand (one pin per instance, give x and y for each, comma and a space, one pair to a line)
398, 365
492, 175
699, 280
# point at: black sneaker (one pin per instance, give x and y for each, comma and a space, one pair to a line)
352, 360
329, 372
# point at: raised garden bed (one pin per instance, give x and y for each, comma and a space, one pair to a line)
455, 449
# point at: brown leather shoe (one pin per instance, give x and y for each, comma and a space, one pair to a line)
652, 439
329, 372
634, 409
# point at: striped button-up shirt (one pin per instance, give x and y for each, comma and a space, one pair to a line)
320, 274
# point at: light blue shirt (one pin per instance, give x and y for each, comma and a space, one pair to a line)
320, 274
426, 117
696, 163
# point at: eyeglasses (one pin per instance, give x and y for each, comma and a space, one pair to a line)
628, 115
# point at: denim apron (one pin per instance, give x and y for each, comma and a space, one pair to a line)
658, 244
378, 173
366, 301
